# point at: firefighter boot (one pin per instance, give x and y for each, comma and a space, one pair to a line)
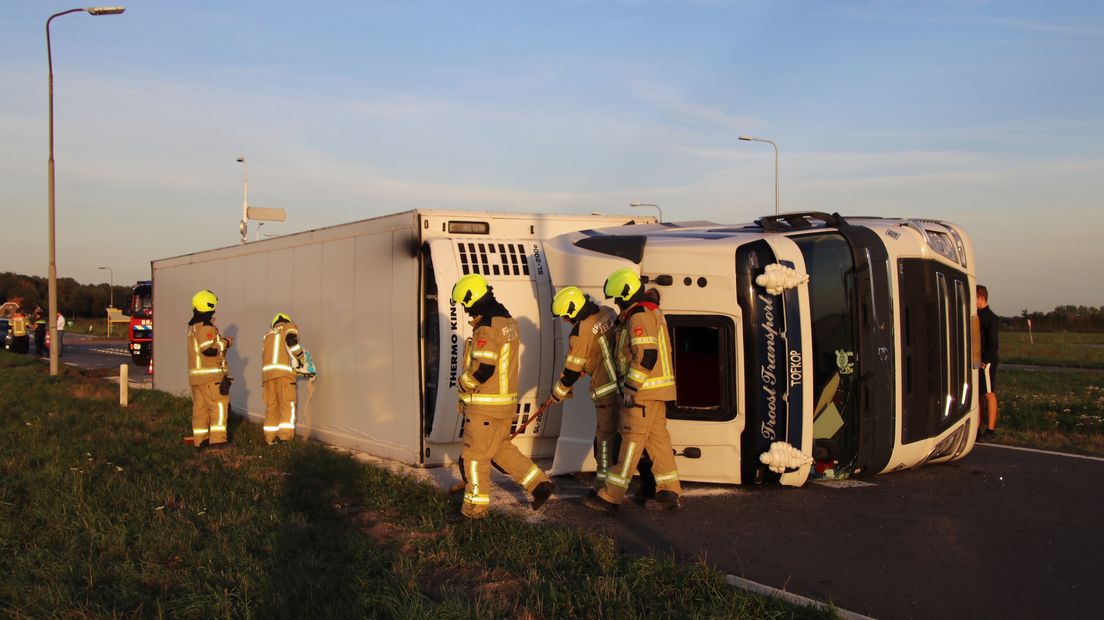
541, 493
601, 505
664, 500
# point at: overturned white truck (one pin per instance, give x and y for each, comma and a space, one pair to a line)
846, 341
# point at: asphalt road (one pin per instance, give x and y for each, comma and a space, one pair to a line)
1004, 533
103, 354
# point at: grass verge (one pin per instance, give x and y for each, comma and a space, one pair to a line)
1070, 350
105, 513
1059, 410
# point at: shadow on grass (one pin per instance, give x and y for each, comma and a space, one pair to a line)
331, 554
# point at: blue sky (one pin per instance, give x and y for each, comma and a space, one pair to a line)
988, 114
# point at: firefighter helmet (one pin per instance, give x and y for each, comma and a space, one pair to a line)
280, 315
568, 302
204, 301
469, 289
622, 284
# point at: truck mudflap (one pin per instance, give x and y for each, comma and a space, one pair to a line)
774, 355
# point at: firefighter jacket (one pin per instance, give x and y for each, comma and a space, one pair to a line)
281, 346
590, 351
206, 354
644, 353
490, 380
19, 325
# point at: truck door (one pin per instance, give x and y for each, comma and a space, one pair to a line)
517, 273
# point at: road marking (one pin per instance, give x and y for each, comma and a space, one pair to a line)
789, 597
1050, 452
843, 484
119, 352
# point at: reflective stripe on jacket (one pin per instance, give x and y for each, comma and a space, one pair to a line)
645, 329
494, 345
276, 355
205, 368
590, 351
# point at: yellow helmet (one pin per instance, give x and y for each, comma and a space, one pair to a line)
204, 301
568, 302
280, 315
469, 289
622, 284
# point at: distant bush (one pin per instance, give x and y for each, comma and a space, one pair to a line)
74, 299
1062, 318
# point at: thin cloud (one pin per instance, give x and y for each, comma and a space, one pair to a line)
681, 110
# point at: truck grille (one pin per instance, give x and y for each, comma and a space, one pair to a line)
493, 259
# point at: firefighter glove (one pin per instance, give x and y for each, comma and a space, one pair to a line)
627, 399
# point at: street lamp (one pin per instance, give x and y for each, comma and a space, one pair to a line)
111, 291
754, 139
648, 204
52, 279
244, 226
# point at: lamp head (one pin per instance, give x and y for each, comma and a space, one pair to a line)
105, 10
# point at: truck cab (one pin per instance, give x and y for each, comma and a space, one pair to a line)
863, 366
140, 330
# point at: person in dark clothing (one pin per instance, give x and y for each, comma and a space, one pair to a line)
990, 358
39, 333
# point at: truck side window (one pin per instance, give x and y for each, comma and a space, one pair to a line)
704, 352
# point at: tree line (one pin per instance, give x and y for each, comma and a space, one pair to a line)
75, 300
1062, 318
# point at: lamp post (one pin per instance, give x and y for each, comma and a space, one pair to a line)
52, 275
244, 226
111, 291
754, 139
648, 204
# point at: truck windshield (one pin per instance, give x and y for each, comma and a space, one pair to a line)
832, 300
141, 304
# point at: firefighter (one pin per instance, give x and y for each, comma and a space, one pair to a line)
590, 351
487, 390
648, 384
21, 340
208, 373
281, 355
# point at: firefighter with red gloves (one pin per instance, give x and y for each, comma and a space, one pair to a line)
207, 373
590, 352
281, 354
488, 399
644, 359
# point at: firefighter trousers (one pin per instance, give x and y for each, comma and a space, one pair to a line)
486, 444
607, 442
210, 412
643, 427
280, 414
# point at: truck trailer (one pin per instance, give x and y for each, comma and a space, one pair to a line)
846, 341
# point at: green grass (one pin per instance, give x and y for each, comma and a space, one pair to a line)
97, 327
105, 513
1055, 410
1078, 350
